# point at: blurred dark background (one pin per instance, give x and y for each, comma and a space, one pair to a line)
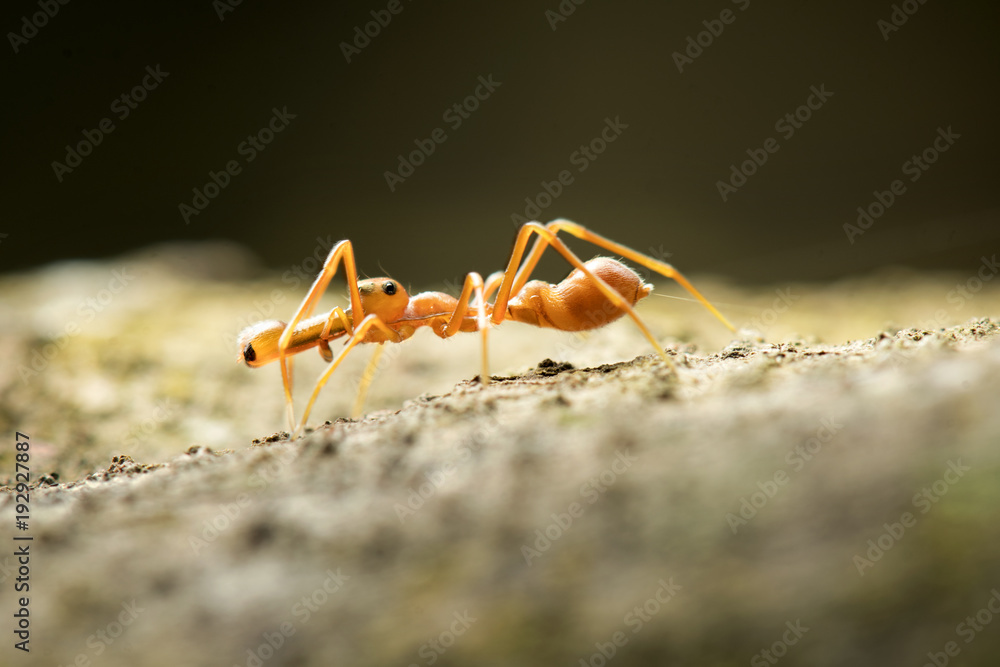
653, 187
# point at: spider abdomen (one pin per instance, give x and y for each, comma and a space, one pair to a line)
574, 304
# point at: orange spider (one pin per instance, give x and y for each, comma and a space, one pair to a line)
596, 293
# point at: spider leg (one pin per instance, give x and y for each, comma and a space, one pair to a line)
517, 273
492, 284
366, 380
473, 286
360, 331
341, 252
660, 267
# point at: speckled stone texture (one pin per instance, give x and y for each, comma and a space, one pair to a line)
820, 490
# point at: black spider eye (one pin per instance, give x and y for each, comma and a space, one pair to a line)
249, 353
389, 288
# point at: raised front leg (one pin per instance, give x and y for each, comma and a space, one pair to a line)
342, 252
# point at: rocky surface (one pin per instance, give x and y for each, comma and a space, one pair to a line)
820, 490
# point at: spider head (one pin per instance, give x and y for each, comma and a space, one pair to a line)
383, 297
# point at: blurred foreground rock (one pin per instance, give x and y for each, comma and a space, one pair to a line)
809, 499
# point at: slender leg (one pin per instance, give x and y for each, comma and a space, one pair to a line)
366, 380
662, 268
516, 278
492, 284
473, 286
338, 320
337, 324
358, 336
342, 252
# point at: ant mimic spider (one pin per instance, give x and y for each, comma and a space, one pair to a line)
596, 293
